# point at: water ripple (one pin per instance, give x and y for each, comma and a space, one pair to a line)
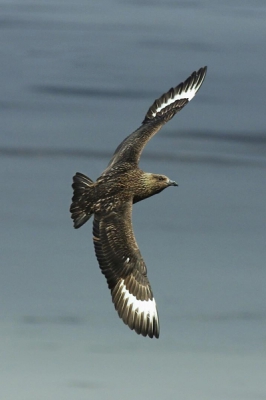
218, 159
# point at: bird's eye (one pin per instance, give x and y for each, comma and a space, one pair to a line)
161, 178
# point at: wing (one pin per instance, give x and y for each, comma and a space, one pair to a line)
162, 110
125, 271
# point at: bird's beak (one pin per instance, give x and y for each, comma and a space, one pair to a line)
172, 183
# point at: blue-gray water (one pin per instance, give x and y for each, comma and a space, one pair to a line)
76, 78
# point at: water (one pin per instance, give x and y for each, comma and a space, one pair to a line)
76, 78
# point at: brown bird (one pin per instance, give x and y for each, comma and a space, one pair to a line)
110, 200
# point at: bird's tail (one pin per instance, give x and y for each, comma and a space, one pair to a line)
83, 199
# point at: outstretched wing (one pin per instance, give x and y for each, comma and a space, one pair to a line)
162, 110
124, 268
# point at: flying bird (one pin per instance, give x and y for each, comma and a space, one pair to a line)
110, 200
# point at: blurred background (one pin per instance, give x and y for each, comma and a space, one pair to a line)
76, 78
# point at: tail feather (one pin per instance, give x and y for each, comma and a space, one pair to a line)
83, 199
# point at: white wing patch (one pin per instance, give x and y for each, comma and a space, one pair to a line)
148, 307
184, 91
185, 94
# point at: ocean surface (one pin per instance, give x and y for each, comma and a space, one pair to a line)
75, 79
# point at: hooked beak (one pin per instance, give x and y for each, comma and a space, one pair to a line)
172, 183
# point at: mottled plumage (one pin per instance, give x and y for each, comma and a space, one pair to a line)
110, 200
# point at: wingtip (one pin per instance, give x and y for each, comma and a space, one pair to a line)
139, 315
203, 71
166, 106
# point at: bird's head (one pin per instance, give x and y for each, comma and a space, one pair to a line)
156, 183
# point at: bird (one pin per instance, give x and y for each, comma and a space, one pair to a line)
110, 200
